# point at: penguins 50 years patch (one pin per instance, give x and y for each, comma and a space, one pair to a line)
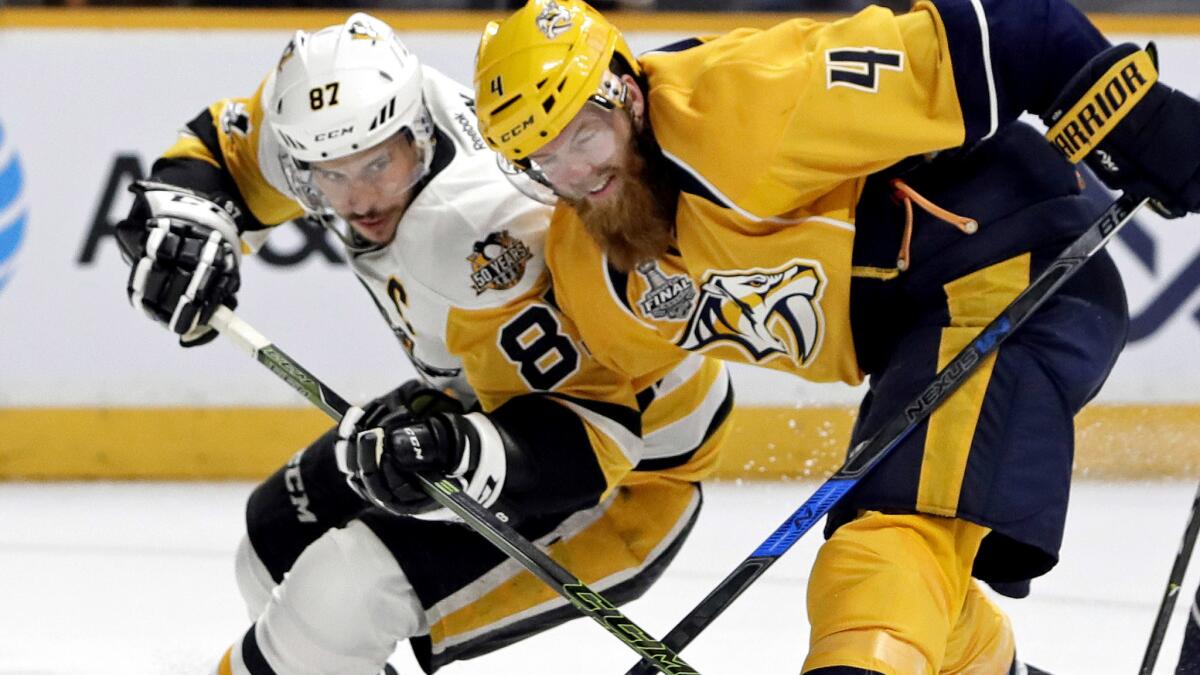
498, 262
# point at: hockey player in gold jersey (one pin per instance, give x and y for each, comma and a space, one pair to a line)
598, 465
855, 200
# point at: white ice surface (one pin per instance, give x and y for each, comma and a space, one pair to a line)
136, 579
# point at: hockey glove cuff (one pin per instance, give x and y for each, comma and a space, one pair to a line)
344, 453
1137, 134
184, 252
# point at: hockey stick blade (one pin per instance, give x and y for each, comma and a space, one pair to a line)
1178, 570
448, 494
868, 453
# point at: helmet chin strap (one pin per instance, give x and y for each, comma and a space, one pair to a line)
353, 242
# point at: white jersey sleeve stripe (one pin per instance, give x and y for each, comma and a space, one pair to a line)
679, 375
684, 435
986, 47
629, 444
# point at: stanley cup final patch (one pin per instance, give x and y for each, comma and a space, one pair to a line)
498, 262
667, 297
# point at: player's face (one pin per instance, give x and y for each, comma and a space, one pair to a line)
371, 189
607, 166
587, 160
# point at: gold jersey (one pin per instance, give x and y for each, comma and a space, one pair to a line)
771, 135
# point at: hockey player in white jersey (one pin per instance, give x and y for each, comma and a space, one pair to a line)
599, 464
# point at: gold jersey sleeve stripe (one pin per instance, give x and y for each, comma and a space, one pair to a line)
683, 400
188, 146
268, 205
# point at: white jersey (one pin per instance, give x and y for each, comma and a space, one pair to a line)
469, 241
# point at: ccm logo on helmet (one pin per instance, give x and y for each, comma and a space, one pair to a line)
516, 131
333, 133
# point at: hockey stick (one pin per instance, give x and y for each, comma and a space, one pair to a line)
448, 494
1182, 557
863, 457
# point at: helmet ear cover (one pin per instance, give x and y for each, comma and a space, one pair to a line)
612, 92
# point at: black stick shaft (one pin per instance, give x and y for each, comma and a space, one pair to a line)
1178, 570
448, 494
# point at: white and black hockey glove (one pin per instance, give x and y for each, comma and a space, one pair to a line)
384, 445
414, 397
184, 251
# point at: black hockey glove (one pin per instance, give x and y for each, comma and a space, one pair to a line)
415, 398
465, 448
1138, 135
184, 252
416, 429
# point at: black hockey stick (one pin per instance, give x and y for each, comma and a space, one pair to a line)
864, 456
1182, 557
448, 494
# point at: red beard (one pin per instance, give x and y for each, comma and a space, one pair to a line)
637, 223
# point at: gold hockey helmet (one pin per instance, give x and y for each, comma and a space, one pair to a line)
536, 69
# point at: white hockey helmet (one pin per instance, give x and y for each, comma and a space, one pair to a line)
347, 88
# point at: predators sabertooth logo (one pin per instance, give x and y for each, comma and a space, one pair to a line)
554, 20
498, 262
763, 313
